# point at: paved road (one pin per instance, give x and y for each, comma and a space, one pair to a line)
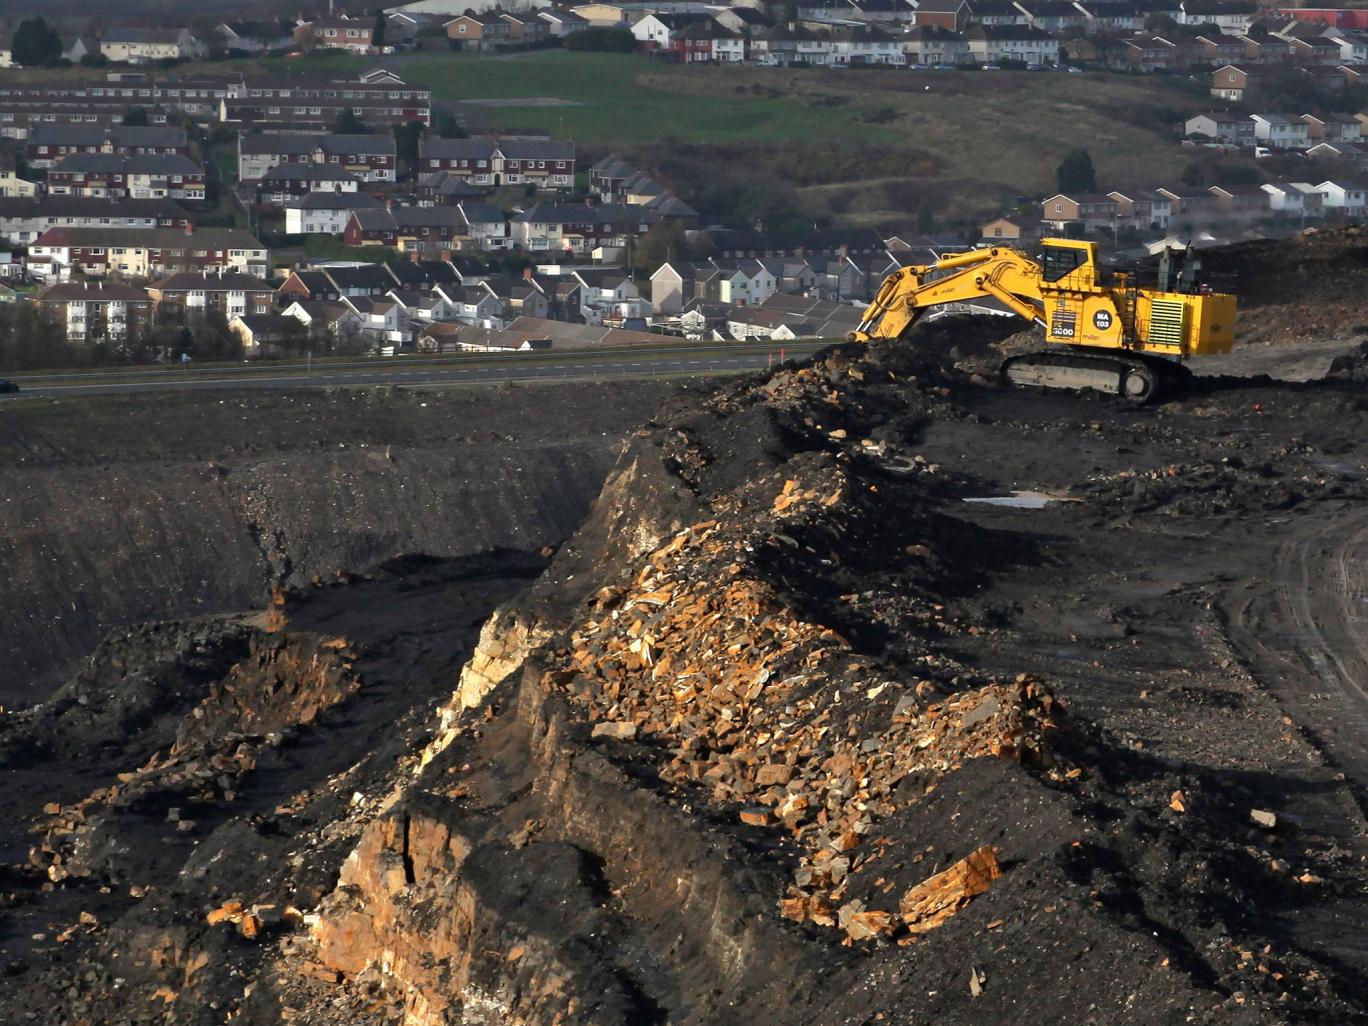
578, 365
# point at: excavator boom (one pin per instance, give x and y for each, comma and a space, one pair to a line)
1107, 331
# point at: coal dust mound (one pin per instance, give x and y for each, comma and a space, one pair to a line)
728, 758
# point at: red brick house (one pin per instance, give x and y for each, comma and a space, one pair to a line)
118, 177
190, 293
47, 144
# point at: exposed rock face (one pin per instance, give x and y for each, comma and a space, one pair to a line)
505, 643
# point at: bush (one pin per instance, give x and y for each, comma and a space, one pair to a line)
1237, 174
605, 40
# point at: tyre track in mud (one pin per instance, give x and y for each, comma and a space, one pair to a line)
1303, 631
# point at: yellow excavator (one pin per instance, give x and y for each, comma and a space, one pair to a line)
1108, 332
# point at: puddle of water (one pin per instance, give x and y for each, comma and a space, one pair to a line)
1022, 500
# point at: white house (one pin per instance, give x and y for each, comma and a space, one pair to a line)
1227, 128
382, 319
10, 182
1279, 132
476, 305
1353, 48
423, 307
657, 29
748, 283
254, 36
1232, 17
325, 213
866, 45
1286, 198
141, 45
609, 296
485, 225
336, 319
780, 326
1344, 197
989, 44
729, 49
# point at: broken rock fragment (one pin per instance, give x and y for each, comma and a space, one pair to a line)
939, 897
615, 731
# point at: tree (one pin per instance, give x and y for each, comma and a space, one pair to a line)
1192, 174
611, 40
665, 241
448, 127
406, 138
36, 44
1075, 172
1237, 174
347, 123
137, 116
378, 33
514, 263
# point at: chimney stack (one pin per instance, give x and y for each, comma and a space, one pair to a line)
189, 227
528, 273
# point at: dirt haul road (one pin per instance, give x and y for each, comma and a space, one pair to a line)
1302, 629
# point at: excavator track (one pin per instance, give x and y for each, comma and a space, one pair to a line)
1138, 379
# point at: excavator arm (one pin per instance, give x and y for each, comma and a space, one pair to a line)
1002, 274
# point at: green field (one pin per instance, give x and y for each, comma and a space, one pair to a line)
968, 140
613, 103
862, 147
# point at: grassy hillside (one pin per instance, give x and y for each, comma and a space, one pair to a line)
960, 143
864, 147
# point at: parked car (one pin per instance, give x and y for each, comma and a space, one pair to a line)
7, 386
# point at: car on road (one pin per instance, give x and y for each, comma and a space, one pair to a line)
7, 386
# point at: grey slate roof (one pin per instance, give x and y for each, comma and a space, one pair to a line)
184, 281
308, 173
322, 199
300, 144
160, 136
136, 164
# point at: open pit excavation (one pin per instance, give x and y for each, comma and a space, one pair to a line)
790, 730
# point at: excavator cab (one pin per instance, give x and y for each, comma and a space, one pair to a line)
1060, 258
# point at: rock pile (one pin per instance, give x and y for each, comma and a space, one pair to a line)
283, 683
740, 697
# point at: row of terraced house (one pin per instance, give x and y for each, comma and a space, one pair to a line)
377, 97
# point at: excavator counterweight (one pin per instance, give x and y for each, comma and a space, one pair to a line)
1106, 331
